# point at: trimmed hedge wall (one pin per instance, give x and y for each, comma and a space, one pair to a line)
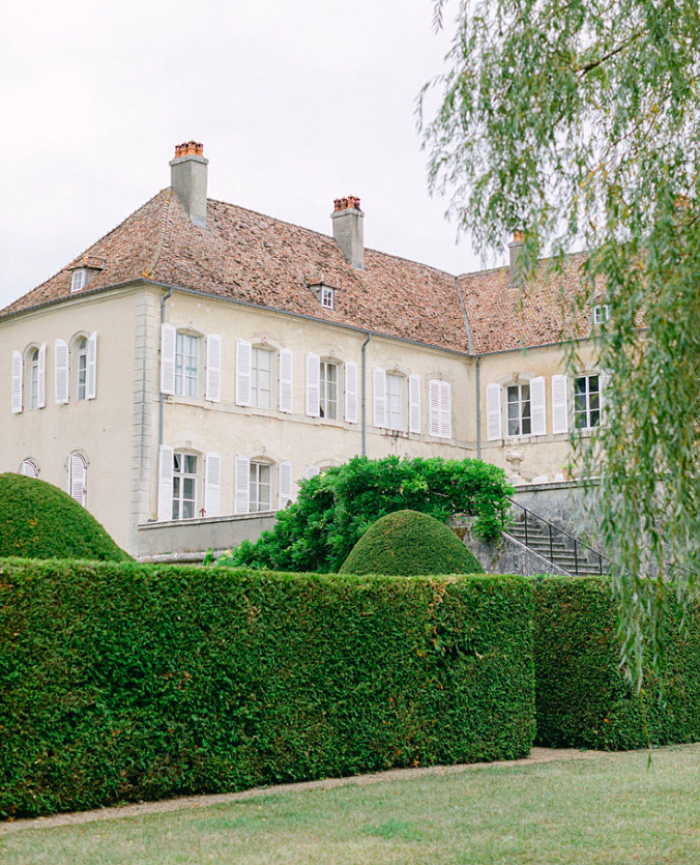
125, 682
581, 696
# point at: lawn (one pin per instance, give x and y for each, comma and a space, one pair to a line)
608, 809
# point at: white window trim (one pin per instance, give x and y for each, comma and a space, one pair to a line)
79, 279
327, 297
587, 375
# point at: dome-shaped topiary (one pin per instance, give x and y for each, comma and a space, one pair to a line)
39, 521
410, 543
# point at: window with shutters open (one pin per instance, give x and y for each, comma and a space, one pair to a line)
394, 401
260, 479
587, 401
187, 364
185, 473
328, 389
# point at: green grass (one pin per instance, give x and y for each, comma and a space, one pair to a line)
609, 810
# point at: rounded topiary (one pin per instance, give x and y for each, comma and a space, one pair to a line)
410, 543
39, 521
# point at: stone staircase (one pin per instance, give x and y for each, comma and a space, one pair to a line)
554, 544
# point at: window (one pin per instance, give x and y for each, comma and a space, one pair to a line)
328, 405
586, 401
394, 401
33, 379
261, 378
327, 297
77, 478
519, 410
260, 487
184, 486
601, 313
79, 280
186, 364
81, 367
29, 469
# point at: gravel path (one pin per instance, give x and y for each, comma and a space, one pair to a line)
537, 755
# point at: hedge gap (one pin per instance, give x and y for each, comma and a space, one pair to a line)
127, 682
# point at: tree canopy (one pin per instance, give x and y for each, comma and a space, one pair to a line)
579, 123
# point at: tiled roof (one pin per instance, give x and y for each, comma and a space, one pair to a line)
254, 258
538, 313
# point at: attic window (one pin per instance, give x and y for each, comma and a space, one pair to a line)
79, 279
327, 298
601, 313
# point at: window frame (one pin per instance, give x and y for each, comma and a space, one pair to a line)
180, 375
601, 313
327, 297
255, 390
323, 386
81, 354
399, 398
78, 279
179, 479
32, 384
588, 410
521, 403
255, 484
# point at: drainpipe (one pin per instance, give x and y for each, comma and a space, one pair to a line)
364, 395
162, 396
478, 407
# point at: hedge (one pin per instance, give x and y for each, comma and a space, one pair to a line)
409, 542
581, 695
127, 682
39, 521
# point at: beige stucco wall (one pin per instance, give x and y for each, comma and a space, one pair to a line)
548, 456
226, 428
99, 428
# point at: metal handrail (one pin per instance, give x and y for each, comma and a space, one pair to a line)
557, 529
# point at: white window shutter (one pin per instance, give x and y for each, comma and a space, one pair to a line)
313, 385
16, 382
91, 389
285, 483
29, 469
286, 379
78, 479
212, 485
445, 410
379, 390
434, 393
241, 503
311, 471
560, 408
244, 360
538, 406
414, 403
41, 377
61, 371
494, 417
165, 483
351, 392
168, 340
603, 386
212, 389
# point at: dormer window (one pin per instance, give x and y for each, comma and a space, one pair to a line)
79, 280
601, 313
327, 298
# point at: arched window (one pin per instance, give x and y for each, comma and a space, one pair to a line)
29, 468
81, 367
77, 477
35, 377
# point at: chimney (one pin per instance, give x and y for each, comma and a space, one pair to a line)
516, 264
188, 177
348, 232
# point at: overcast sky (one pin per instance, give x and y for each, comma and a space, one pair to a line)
297, 103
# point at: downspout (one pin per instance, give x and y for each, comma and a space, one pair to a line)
364, 395
162, 396
470, 348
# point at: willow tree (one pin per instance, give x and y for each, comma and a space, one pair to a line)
578, 121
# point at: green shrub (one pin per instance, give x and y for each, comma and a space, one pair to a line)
408, 542
334, 509
127, 682
39, 521
582, 697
